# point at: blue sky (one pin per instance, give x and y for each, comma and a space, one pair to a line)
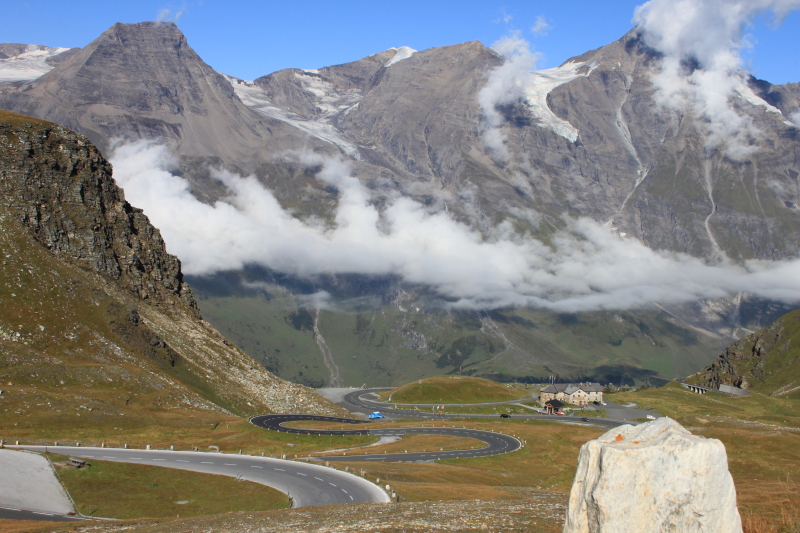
251, 39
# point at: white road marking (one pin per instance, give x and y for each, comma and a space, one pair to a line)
206, 463
109, 457
256, 466
136, 458
229, 464
45, 514
182, 461
159, 459
318, 478
301, 474
329, 483
280, 469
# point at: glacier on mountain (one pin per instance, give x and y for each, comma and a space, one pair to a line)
544, 81
30, 64
404, 52
256, 99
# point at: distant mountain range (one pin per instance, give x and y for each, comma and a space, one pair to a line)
440, 130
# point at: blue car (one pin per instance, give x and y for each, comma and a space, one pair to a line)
376, 415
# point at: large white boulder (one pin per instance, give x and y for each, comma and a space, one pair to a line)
650, 478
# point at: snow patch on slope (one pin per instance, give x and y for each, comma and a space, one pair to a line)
256, 99
29, 64
404, 52
544, 81
328, 99
752, 98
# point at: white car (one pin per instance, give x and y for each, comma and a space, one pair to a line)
651, 417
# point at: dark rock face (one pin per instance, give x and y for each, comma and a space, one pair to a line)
767, 361
61, 189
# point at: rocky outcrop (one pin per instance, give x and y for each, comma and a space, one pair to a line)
655, 477
60, 187
766, 361
96, 297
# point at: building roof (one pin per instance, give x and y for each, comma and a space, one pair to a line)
555, 404
570, 388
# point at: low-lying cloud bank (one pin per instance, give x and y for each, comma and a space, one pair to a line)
587, 268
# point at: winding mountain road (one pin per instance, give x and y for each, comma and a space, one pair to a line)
306, 484
312, 484
496, 443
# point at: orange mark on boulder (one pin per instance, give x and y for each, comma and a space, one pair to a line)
619, 438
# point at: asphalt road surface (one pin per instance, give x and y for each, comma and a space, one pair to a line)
496, 443
9, 513
307, 484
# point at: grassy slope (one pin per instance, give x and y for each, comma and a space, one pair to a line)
154, 492
760, 434
452, 389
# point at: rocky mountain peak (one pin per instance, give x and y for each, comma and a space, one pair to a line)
144, 34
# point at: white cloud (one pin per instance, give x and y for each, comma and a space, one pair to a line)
701, 42
795, 118
168, 15
504, 18
584, 268
541, 26
505, 85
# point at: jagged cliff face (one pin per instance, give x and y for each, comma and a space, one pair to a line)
58, 185
767, 361
92, 307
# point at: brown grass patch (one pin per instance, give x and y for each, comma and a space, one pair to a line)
31, 526
421, 443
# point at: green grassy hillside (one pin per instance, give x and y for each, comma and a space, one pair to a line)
395, 342
760, 435
453, 389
